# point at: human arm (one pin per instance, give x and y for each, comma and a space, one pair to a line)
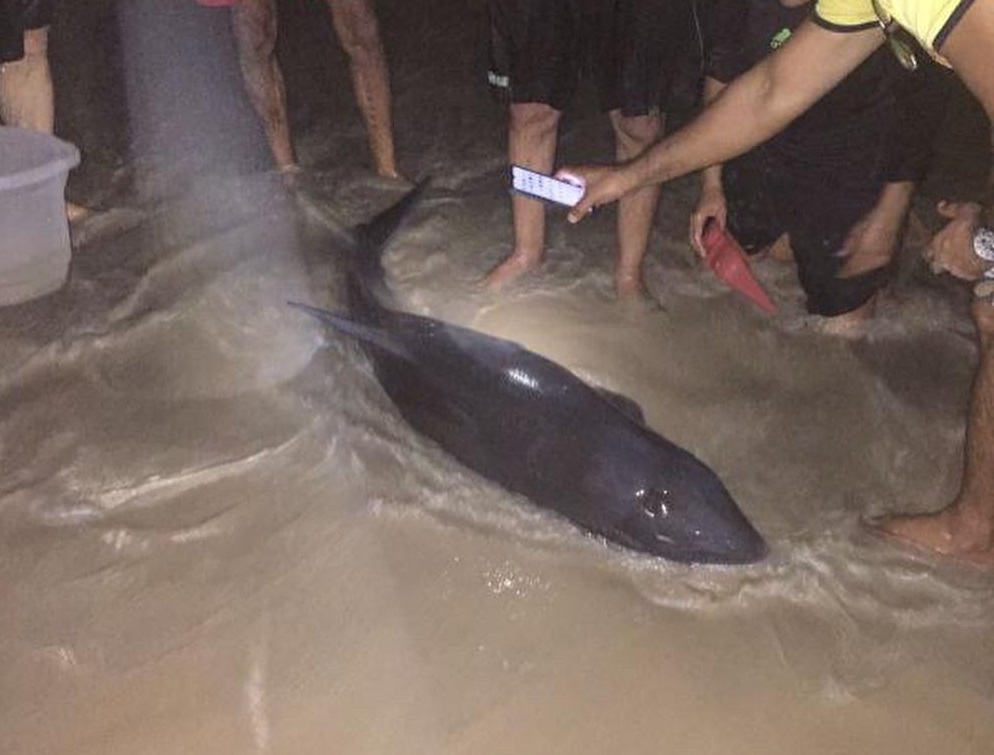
750, 110
955, 189
970, 52
961, 208
872, 240
919, 100
711, 203
969, 48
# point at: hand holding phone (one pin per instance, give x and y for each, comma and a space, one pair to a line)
541, 186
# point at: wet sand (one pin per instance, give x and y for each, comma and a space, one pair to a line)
218, 536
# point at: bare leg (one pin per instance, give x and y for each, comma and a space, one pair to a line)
357, 29
965, 529
254, 23
532, 137
633, 135
27, 99
26, 96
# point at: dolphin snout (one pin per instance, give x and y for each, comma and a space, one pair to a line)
746, 550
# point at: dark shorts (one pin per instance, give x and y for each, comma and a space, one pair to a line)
17, 16
541, 49
767, 199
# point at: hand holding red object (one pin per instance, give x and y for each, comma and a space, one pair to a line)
728, 260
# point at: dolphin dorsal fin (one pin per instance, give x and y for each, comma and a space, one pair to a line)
375, 234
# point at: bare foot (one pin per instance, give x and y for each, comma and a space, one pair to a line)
851, 324
510, 269
843, 326
951, 532
629, 286
290, 176
76, 213
393, 180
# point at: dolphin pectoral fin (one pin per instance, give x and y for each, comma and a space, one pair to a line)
623, 404
370, 335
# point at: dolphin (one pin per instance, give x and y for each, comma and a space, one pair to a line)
532, 426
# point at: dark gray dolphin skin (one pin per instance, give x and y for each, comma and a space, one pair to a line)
532, 426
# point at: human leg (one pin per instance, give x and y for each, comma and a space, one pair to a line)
633, 135
752, 208
358, 31
634, 49
820, 216
532, 137
965, 528
26, 96
534, 52
254, 24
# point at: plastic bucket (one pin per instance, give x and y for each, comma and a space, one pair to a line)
34, 233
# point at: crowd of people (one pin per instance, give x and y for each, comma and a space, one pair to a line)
823, 50
818, 122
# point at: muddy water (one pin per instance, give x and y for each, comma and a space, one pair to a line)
218, 536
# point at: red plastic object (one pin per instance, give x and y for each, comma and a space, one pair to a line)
728, 260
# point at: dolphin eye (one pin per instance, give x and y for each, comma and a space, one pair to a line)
654, 502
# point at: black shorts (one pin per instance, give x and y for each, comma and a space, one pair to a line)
17, 16
541, 49
767, 198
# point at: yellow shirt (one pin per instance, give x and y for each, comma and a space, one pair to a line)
929, 20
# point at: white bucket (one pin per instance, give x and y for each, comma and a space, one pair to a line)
34, 231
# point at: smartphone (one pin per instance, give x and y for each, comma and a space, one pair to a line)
545, 187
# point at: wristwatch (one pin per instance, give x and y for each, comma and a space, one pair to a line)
983, 243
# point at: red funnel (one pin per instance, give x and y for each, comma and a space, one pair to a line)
725, 257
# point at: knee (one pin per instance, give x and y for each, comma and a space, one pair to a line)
635, 133
357, 29
831, 296
534, 119
255, 29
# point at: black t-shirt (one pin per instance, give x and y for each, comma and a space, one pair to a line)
846, 136
957, 133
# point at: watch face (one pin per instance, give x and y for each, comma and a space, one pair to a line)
983, 244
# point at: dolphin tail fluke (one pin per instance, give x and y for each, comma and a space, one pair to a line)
370, 335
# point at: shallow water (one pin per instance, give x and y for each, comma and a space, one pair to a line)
218, 536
